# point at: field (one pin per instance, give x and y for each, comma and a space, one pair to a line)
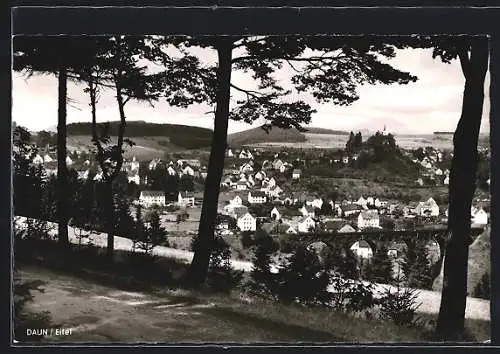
338, 141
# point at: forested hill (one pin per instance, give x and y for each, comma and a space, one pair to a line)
178, 135
141, 128
314, 130
259, 135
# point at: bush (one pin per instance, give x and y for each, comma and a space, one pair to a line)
221, 277
262, 281
350, 295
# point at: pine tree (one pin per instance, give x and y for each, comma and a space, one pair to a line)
157, 233
379, 269
416, 266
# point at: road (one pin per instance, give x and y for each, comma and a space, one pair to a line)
429, 300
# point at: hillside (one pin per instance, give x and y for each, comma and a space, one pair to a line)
259, 135
180, 136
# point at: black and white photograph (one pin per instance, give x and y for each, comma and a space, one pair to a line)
251, 189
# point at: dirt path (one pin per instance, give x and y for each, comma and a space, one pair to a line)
98, 313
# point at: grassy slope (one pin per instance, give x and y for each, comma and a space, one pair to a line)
258, 135
479, 262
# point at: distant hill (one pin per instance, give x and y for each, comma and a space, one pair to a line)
259, 135
180, 136
313, 130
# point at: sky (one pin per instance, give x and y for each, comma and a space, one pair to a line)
433, 103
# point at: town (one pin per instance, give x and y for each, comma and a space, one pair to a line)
267, 189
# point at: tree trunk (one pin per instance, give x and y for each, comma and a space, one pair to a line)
62, 169
450, 324
199, 266
110, 220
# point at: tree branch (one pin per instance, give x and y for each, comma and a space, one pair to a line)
251, 93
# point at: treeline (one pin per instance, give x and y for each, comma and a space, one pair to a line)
180, 135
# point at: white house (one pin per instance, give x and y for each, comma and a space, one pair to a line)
246, 167
69, 161
185, 199
188, 170
368, 218
446, 180
362, 249
153, 163
306, 225
134, 178
307, 210
38, 160
260, 175
277, 164
241, 185
229, 153
315, 203
274, 192
236, 200
275, 214
479, 217
361, 201
247, 222
438, 172
257, 197
271, 183
149, 198
171, 171
296, 173
428, 208
283, 168
370, 201
47, 158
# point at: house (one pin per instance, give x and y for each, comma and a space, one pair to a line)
47, 158
38, 160
246, 167
257, 197
153, 163
246, 222
296, 173
368, 218
479, 217
244, 154
370, 201
229, 153
346, 229
361, 201
362, 249
306, 225
69, 161
427, 208
446, 180
307, 210
316, 203
438, 172
271, 183
277, 164
276, 214
134, 178
274, 192
259, 176
236, 200
171, 171
283, 168
185, 199
285, 228
188, 170
149, 198
241, 185
419, 182
351, 209
345, 160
